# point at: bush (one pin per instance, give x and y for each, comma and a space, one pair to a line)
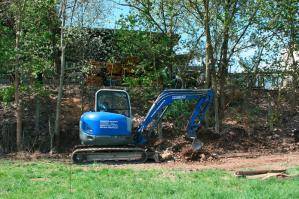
179, 113
7, 94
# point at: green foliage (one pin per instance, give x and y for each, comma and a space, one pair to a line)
38, 26
254, 112
46, 179
137, 81
180, 112
7, 94
153, 49
179, 109
35, 39
40, 90
6, 47
156, 78
274, 117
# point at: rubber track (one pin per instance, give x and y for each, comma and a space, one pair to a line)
87, 149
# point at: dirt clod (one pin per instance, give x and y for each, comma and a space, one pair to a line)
166, 155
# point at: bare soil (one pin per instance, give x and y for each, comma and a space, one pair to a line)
229, 162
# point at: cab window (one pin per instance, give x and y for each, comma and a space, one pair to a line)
113, 102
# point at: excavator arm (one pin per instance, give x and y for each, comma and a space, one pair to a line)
203, 97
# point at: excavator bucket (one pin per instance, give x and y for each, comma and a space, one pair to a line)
197, 144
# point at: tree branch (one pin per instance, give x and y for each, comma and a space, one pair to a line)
243, 33
145, 12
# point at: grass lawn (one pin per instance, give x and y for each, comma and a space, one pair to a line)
44, 179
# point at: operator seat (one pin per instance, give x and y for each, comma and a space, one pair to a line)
104, 107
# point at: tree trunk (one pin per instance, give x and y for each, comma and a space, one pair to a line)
216, 108
60, 88
224, 60
51, 133
37, 115
294, 66
82, 95
209, 48
18, 101
210, 76
18, 111
223, 74
270, 113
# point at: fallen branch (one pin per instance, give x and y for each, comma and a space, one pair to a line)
268, 175
258, 172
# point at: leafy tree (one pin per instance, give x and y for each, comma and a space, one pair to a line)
73, 13
151, 49
27, 22
280, 18
164, 17
226, 24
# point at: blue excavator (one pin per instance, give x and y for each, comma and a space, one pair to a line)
106, 133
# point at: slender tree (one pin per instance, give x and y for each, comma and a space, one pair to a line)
19, 8
61, 76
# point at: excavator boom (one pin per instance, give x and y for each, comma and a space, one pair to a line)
203, 97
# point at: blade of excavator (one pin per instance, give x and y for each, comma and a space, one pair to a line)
197, 144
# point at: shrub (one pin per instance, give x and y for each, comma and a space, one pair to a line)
7, 94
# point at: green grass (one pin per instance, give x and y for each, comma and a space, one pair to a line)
44, 179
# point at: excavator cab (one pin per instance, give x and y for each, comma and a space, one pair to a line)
113, 101
110, 123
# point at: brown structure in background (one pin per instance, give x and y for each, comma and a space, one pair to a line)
103, 73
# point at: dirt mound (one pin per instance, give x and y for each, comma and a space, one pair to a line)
232, 140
